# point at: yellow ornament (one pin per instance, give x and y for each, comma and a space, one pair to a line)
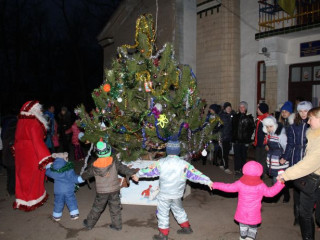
162, 120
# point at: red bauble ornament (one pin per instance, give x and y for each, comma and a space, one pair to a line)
106, 87
156, 62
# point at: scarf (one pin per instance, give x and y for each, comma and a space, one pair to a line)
65, 168
260, 118
251, 180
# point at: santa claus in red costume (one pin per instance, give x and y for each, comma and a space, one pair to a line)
31, 157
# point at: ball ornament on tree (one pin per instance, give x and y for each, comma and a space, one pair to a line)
122, 129
106, 87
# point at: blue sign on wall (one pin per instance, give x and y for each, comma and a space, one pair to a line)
308, 49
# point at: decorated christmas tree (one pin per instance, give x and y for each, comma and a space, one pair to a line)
146, 99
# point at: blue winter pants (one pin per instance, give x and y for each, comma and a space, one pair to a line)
65, 198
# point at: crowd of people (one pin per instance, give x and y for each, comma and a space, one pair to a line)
279, 144
286, 150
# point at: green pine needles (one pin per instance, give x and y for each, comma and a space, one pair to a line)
146, 99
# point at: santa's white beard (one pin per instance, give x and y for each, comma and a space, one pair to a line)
36, 111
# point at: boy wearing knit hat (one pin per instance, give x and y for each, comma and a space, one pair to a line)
173, 172
260, 152
105, 170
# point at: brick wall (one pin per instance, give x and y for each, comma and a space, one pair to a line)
218, 53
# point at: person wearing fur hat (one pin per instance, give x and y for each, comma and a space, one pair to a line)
173, 172
296, 146
286, 116
242, 130
31, 157
105, 170
276, 140
259, 143
65, 180
251, 189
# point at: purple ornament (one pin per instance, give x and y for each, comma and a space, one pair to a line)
156, 112
186, 125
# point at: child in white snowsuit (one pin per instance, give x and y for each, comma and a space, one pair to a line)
173, 172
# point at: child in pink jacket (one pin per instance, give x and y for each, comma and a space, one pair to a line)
78, 152
251, 189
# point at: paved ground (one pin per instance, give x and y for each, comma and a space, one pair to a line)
210, 214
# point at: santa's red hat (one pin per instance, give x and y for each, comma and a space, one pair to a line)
28, 105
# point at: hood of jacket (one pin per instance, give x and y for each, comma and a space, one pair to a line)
58, 163
102, 165
252, 168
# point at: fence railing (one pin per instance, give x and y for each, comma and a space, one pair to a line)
273, 18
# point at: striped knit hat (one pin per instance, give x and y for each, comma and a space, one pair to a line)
173, 147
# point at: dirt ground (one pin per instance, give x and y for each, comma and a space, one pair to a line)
210, 214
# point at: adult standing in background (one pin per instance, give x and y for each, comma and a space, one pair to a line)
242, 130
259, 139
7, 154
49, 115
296, 147
31, 157
64, 123
309, 166
226, 135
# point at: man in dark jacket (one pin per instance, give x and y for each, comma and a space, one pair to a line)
105, 170
242, 130
226, 134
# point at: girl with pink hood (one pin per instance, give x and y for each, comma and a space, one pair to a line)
251, 189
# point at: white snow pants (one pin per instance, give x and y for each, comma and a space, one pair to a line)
163, 210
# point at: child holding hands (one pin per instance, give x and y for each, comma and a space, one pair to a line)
173, 172
251, 190
65, 179
105, 170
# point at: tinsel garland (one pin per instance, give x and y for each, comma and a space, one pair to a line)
142, 26
65, 168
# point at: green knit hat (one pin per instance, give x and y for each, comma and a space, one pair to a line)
103, 149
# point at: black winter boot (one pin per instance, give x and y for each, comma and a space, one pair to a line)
186, 230
307, 229
160, 236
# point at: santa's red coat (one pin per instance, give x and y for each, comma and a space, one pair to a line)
31, 154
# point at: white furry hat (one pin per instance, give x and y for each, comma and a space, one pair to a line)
269, 121
63, 155
304, 105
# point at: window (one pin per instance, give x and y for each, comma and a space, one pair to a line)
261, 84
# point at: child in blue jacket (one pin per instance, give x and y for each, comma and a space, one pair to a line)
65, 179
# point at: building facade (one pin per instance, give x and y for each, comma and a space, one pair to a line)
245, 50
